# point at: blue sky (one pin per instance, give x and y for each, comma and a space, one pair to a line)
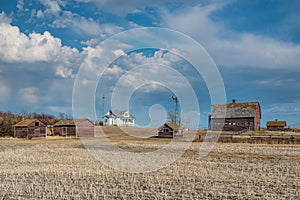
255, 45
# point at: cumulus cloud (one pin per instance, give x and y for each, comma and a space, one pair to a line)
4, 19
36, 47
84, 26
64, 72
229, 48
52, 7
17, 47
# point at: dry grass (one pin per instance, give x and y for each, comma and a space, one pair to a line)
63, 169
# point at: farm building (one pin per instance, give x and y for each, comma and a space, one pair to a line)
30, 128
170, 131
235, 116
74, 127
119, 118
276, 125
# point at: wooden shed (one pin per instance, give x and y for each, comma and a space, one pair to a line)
170, 131
276, 125
74, 127
30, 128
235, 116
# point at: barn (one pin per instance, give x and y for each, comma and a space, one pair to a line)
170, 131
235, 116
276, 125
74, 127
29, 128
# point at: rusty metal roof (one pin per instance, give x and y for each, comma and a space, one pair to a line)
173, 126
69, 122
26, 122
235, 110
276, 123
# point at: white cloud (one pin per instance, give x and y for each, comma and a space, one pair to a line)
40, 14
84, 26
4, 18
20, 5
92, 42
52, 7
18, 47
229, 48
64, 72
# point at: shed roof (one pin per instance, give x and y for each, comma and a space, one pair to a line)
276, 123
173, 126
26, 122
235, 110
69, 122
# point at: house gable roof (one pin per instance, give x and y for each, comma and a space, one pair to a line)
235, 110
27, 122
122, 114
276, 123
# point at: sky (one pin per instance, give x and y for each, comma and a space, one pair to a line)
53, 53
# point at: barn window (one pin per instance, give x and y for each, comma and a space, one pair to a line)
165, 130
37, 123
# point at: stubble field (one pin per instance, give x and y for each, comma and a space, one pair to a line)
64, 169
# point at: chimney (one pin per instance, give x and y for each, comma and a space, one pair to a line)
233, 101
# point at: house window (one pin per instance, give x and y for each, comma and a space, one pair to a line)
165, 130
126, 114
37, 123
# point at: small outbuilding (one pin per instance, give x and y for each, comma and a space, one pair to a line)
74, 127
276, 125
170, 131
29, 128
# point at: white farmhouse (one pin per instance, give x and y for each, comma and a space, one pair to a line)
119, 118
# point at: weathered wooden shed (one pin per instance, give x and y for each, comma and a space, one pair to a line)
29, 128
276, 125
74, 127
235, 116
170, 131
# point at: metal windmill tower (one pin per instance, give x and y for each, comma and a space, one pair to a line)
177, 110
103, 104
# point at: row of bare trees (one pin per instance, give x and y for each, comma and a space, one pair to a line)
8, 119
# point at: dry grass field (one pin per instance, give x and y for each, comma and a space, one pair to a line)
55, 168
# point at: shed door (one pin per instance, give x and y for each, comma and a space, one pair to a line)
64, 131
37, 131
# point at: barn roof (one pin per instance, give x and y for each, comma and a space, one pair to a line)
235, 110
69, 122
276, 123
26, 122
122, 114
